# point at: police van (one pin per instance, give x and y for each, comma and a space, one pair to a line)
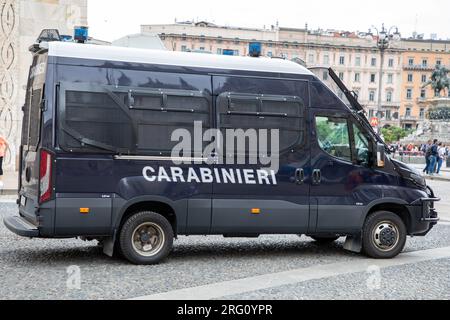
97, 160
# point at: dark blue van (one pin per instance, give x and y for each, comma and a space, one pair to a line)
96, 160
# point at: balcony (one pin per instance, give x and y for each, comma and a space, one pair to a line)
409, 118
418, 67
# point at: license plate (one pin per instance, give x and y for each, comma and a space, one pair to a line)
23, 201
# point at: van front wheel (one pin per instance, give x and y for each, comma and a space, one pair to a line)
384, 235
146, 238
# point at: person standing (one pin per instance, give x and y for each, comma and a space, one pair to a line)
441, 157
3, 148
433, 158
426, 149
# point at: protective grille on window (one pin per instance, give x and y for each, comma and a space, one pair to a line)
35, 117
97, 117
264, 112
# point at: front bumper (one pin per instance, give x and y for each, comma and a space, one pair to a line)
423, 215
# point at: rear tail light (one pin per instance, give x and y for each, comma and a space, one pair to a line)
45, 177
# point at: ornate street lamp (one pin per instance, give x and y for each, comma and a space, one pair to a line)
384, 39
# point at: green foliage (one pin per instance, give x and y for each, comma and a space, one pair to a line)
393, 134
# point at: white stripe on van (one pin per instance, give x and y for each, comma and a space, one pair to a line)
266, 281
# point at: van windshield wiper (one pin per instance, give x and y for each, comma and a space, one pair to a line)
358, 109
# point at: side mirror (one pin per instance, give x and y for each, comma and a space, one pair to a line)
380, 155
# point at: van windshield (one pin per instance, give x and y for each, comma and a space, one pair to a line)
324, 75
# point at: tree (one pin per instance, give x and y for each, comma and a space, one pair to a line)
393, 134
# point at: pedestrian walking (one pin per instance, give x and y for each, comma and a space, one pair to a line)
3, 148
433, 158
426, 149
441, 157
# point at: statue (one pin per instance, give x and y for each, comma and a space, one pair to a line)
439, 80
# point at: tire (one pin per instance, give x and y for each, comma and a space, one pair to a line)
384, 235
146, 238
324, 240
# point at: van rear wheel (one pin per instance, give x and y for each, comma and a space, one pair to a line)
384, 235
146, 238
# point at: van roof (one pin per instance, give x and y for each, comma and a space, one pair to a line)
183, 59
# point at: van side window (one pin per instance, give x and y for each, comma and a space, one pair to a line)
250, 111
333, 136
93, 121
159, 113
361, 146
322, 97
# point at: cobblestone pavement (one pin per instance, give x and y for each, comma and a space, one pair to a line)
42, 269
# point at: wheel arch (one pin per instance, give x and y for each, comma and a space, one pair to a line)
396, 206
169, 209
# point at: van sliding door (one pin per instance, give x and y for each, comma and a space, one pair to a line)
269, 191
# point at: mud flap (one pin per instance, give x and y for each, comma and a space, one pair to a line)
353, 243
108, 246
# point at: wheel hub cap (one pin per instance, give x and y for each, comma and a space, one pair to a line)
148, 239
386, 236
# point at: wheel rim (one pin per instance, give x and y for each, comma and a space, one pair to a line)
386, 236
148, 239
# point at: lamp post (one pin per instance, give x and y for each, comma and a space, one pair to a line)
384, 40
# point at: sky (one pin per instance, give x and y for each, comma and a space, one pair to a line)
112, 19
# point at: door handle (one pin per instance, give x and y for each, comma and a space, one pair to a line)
317, 177
299, 176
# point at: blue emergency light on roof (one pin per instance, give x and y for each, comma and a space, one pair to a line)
254, 49
81, 34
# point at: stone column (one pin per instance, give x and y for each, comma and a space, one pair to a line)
21, 22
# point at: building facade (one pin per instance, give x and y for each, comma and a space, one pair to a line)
353, 55
419, 61
21, 22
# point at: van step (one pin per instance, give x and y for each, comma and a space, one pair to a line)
21, 227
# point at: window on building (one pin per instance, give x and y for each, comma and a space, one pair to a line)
391, 63
219, 51
341, 60
411, 62
219, 39
371, 113
388, 115
269, 54
358, 61
408, 112
325, 75
422, 113
357, 77
371, 96
409, 94
410, 77
326, 59
184, 37
373, 62
311, 58
373, 78
390, 78
183, 48
341, 75
389, 96
236, 52
424, 63
438, 62
202, 48
423, 93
